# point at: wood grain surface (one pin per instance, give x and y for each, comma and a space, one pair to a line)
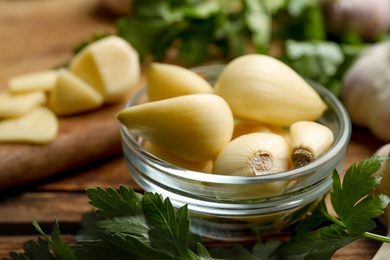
41, 34
42, 38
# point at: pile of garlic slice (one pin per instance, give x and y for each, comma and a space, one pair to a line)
258, 118
103, 72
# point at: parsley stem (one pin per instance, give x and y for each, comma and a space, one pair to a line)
376, 237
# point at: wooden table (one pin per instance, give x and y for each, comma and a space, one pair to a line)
41, 34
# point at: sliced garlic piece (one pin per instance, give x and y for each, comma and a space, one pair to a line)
40, 80
262, 88
39, 126
253, 155
110, 65
168, 80
12, 105
309, 140
169, 157
194, 127
71, 95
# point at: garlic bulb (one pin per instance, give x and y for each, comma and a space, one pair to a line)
368, 19
252, 155
194, 127
309, 140
366, 90
384, 188
262, 88
168, 80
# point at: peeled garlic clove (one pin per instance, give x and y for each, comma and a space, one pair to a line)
169, 157
309, 140
12, 105
71, 95
194, 127
39, 126
253, 155
35, 81
167, 80
243, 127
262, 88
110, 65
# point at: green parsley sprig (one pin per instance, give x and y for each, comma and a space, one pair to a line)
135, 226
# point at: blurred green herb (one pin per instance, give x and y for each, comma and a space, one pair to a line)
129, 225
192, 32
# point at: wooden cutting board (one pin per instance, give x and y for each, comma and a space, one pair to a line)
39, 35
81, 139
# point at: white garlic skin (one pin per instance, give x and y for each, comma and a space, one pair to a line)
262, 88
367, 18
384, 186
366, 90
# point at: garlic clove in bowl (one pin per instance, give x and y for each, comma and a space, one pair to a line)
194, 127
262, 88
168, 80
309, 140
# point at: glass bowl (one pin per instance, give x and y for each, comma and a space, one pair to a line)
230, 208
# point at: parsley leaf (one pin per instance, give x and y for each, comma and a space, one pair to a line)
146, 227
320, 245
33, 250
61, 249
169, 229
110, 203
355, 211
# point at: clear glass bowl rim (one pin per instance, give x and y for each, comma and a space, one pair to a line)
339, 145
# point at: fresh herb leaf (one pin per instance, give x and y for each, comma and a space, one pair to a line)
130, 225
266, 250
258, 20
354, 207
33, 250
318, 217
197, 28
135, 226
110, 203
315, 60
169, 229
320, 245
61, 249
348, 199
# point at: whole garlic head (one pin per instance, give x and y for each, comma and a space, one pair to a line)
366, 90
